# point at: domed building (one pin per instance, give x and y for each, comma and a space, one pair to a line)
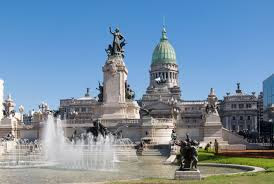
159, 107
164, 64
164, 74
162, 109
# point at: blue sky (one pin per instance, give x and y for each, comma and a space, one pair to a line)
51, 50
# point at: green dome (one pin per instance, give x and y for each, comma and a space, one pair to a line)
164, 52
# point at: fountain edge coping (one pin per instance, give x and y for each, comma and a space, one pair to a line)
248, 168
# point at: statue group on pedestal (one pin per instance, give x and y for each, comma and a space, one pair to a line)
212, 103
130, 94
9, 105
188, 157
117, 45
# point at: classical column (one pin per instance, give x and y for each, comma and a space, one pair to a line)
255, 123
237, 125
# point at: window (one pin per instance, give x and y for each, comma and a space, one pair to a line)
248, 106
233, 118
233, 106
241, 106
241, 118
76, 109
248, 117
83, 109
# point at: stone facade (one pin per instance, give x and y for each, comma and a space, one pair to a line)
191, 119
239, 111
81, 108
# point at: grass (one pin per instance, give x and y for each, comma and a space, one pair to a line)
254, 178
265, 177
209, 157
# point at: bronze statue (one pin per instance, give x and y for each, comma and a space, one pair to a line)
188, 157
117, 45
129, 93
101, 92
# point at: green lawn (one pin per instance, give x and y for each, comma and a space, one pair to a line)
246, 178
259, 162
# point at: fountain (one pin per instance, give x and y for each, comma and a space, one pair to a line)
87, 152
21, 154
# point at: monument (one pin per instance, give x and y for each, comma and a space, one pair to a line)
213, 125
116, 96
188, 159
9, 123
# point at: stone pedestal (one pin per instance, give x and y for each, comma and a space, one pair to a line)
128, 110
115, 105
188, 175
213, 128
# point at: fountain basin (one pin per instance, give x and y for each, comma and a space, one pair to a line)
145, 167
25, 164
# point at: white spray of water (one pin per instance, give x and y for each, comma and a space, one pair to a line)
84, 154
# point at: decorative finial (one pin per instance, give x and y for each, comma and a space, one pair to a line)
87, 94
164, 36
9, 98
238, 88
212, 92
21, 109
